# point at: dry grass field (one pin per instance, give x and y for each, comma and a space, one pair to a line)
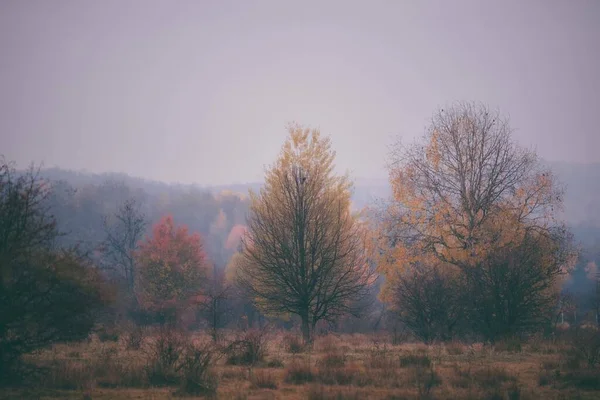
256, 365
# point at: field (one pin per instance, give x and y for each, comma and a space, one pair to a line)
259, 365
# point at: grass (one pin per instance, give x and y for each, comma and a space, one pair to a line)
334, 367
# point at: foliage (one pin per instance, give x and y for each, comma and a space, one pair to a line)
304, 251
467, 198
46, 295
172, 269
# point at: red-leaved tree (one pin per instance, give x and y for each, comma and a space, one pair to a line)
172, 270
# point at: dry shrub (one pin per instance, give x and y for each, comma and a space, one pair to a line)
164, 358
334, 357
263, 379
275, 363
299, 373
380, 358
134, 338
293, 343
249, 348
197, 376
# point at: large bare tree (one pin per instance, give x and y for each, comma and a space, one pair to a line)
304, 253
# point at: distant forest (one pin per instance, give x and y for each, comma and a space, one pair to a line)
84, 202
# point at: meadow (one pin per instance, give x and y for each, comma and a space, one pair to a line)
153, 364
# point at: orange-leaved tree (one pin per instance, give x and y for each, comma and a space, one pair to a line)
469, 199
172, 269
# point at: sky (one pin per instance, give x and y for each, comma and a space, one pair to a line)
201, 91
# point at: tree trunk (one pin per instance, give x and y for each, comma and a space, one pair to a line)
306, 329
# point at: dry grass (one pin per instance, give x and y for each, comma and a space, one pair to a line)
335, 367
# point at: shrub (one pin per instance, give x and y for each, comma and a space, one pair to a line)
263, 379
135, 338
197, 376
164, 358
248, 349
299, 373
275, 363
293, 343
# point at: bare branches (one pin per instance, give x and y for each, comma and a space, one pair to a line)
122, 238
304, 254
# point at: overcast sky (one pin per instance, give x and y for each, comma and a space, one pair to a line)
201, 91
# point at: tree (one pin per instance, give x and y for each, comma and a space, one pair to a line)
46, 294
427, 300
122, 238
172, 270
304, 253
215, 308
468, 195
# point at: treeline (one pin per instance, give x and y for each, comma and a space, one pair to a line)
468, 246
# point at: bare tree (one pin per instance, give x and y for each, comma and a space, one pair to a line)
215, 308
122, 238
304, 253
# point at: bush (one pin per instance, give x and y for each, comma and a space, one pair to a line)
293, 343
164, 358
248, 349
299, 373
135, 338
197, 376
263, 379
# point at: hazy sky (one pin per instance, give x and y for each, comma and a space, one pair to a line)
201, 91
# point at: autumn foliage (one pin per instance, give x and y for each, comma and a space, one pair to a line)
172, 268
469, 200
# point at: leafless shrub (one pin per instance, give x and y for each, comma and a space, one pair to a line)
164, 358
197, 376
249, 348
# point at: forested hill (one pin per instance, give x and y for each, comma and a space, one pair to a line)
81, 201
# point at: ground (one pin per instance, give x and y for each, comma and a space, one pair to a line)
336, 367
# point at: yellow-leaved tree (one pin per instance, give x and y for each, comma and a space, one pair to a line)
304, 251
470, 202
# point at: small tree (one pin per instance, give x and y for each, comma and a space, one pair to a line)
123, 234
172, 270
304, 253
215, 308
